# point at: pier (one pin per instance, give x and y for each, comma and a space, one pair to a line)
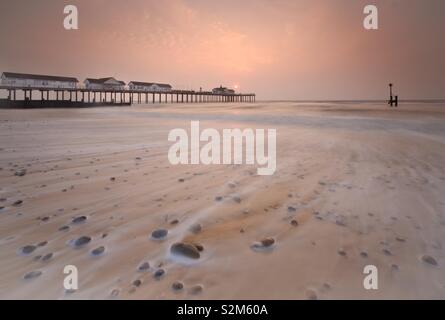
82, 96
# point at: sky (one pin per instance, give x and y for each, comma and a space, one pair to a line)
279, 49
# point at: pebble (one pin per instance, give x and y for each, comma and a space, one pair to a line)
82, 241
28, 249
32, 275
47, 257
17, 203
291, 209
177, 286
144, 267
159, 234
64, 228
137, 283
78, 220
429, 260
342, 252
42, 244
98, 251
266, 243
364, 254
186, 250
294, 223
159, 274
387, 252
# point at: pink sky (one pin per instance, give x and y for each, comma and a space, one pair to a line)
279, 49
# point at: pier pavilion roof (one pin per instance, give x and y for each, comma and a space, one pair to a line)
13, 75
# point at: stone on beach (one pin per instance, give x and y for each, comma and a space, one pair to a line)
98, 251
82, 241
28, 249
265, 243
185, 250
32, 275
177, 286
159, 234
159, 274
79, 220
144, 267
47, 257
429, 260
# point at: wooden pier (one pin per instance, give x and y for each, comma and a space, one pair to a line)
121, 97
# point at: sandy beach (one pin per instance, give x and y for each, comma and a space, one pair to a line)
356, 184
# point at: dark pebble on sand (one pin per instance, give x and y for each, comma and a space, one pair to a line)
342, 252
177, 286
186, 250
82, 241
42, 244
386, 252
137, 283
268, 242
98, 251
64, 228
294, 223
78, 220
219, 198
159, 234
291, 209
47, 257
429, 260
159, 274
17, 203
28, 249
174, 222
32, 275
363, 254
144, 267
263, 244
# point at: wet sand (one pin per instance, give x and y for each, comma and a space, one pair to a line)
356, 185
